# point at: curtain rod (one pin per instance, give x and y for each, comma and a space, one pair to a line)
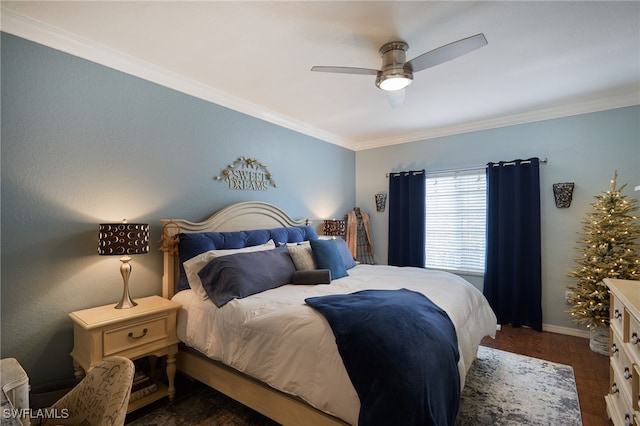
468, 169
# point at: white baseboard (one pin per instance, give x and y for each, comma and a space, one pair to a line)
565, 330
568, 331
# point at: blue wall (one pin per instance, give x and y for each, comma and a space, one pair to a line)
585, 149
84, 144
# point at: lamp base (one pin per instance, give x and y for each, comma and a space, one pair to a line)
125, 270
126, 302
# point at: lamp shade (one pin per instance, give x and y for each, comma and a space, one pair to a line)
122, 239
334, 227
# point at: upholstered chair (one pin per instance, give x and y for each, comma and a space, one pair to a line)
100, 399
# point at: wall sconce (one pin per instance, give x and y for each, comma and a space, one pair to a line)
381, 202
563, 192
124, 239
334, 227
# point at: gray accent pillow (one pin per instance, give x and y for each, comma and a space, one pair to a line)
302, 256
318, 276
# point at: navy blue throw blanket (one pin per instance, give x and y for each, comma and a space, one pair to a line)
401, 353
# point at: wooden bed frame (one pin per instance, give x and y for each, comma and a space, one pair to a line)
282, 408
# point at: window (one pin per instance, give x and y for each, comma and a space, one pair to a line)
456, 222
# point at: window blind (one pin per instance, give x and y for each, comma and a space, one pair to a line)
456, 222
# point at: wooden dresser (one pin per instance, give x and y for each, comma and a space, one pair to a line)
623, 399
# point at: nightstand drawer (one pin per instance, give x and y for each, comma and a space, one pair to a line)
133, 335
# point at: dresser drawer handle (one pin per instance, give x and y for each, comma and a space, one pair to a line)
627, 373
614, 388
614, 349
634, 338
617, 314
144, 333
627, 420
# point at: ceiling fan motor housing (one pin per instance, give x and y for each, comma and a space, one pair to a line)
393, 68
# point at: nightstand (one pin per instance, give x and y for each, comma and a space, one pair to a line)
144, 330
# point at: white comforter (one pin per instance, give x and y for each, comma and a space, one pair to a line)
273, 336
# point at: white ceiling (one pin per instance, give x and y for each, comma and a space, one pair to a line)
544, 59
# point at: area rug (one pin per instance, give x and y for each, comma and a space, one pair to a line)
502, 389
505, 389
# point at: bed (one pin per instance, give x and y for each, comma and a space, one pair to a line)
272, 351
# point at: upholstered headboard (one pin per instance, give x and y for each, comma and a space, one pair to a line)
243, 216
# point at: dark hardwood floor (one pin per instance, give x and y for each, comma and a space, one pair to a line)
590, 369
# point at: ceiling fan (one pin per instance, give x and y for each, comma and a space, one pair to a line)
397, 73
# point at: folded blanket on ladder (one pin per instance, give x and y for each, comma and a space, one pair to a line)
401, 353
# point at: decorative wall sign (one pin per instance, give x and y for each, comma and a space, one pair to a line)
248, 174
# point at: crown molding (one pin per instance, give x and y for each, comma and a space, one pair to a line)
596, 105
53, 37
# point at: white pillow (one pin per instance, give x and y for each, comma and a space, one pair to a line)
196, 263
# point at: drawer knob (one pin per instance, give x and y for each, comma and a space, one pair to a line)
627, 420
634, 338
627, 373
617, 314
144, 333
614, 388
614, 349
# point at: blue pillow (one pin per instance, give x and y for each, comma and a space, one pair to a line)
345, 253
243, 274
294, 234
190, 246
193, 244
327, 256
197, 243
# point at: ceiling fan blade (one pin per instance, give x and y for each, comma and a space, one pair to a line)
396, 98
447, 52
346, 70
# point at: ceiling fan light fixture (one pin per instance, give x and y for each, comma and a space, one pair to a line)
393, 82
396, 72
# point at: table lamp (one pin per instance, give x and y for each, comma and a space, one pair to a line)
123, 239
334, 227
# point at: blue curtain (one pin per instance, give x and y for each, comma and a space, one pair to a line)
406, 218
512, 280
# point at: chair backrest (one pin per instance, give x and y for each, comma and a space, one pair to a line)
101, 398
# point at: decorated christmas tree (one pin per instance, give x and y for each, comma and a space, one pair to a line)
608, 243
